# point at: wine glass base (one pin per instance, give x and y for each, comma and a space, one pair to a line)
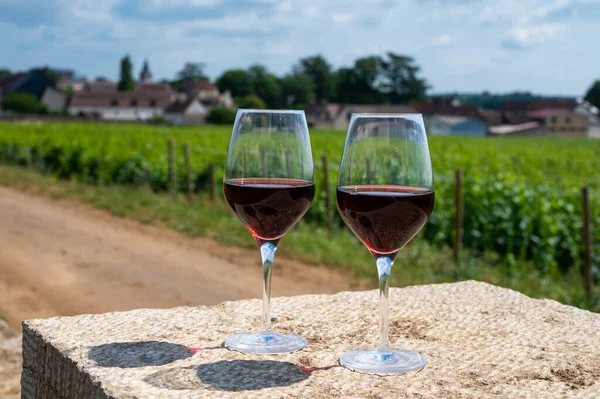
373, 361
265, 343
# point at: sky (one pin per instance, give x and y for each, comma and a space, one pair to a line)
544, 46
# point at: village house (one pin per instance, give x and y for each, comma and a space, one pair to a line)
148, 100
337, 116
54, 100
186, 112
441, 125
208, 94
554, 118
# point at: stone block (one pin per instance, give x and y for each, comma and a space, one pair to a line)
480, 340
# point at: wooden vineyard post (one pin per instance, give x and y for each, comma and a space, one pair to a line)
171, 166
188, 172
588, 283
211, 182
29, 159
328, 221
40, 158
458, 219
287, 163
263, 162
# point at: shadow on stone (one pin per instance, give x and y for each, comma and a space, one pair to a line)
250, 375
138, 354
232, 376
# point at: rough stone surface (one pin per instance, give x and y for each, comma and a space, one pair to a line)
10, 362
481, 341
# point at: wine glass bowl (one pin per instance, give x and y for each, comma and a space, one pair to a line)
268, 184
385, 196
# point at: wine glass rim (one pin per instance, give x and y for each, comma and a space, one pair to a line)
385, 114
272, 111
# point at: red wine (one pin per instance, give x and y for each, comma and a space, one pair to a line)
269, 207
385, 218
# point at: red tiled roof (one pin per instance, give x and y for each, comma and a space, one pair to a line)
7, 84
331, 109
120, 99
545, 112
534, 105
461, 110
491, 116
154, 88
200, 85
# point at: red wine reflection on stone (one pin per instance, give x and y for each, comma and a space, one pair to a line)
269, 207
385, 218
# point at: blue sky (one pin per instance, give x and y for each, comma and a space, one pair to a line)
546, 46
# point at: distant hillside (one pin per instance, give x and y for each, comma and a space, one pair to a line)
495, 100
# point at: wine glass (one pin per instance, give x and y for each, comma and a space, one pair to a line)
268, 184
385, 196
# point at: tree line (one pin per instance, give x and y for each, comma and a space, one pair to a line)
388, 79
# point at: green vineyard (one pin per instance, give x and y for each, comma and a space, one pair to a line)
522, 197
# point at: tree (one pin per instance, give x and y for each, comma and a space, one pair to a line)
192, 71
400, 81
593, 94
265, 85
22, 103
101, 79
297, 90
221, 116
236, 81
126, 82
359, 84
251, 101
319, 71
50, 76
5, 74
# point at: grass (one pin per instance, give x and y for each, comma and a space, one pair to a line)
418, 263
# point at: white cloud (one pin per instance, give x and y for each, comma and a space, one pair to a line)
524, 37
443, 40
343, 17
459, 10
176, 3
312, 11
532, 11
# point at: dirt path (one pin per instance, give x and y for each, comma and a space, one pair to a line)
64, 258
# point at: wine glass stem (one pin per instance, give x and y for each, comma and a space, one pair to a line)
267, 252
384, 268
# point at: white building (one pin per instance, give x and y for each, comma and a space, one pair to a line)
187, 112
147, 101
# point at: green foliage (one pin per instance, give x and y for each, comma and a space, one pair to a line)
192, 71
126, 82
22, 103
319, 71
221, 116
50, 76
494, 101
251, 101
256, 80
266, 86
358, 85
5, 74
236, 81
400, 80
521, 195
593, 94
297, 90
